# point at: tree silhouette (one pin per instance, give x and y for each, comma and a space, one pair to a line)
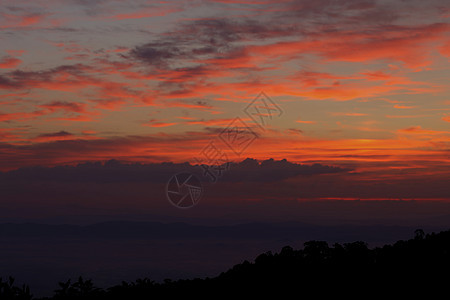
405, 268
80, 289
419, 234
9, 291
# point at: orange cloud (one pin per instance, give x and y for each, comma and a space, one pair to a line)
16, 52
200, 105
419, 130
109, 104
9, 135
406, 116
65, 106
89, 132
409, 45
158, 123
77, 118
349, 114
404, 106
61, 136
9, 62
217, 60
20, 116
23, 21
73, 111
213, 122
424, 149
377, 75
306, 122
445, 49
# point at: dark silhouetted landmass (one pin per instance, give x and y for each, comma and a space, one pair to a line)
115, 171
349, 269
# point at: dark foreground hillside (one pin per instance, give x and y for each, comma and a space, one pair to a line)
421, 264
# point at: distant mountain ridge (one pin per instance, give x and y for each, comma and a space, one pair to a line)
179, 230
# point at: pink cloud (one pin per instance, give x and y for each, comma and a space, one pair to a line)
421, 131
8, 62
159, 123
22, 21
20, 116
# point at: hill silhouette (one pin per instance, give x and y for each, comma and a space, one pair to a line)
405, 267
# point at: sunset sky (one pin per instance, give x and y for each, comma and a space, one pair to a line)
361, 84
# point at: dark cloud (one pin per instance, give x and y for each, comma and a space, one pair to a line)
113, 170
214, 38
157, 54
329, 11
249, 190
7, 83
28, 79
78, 150
249, 178
219, 37
273, 170
66, 106
55, 134
295, 131
220, 32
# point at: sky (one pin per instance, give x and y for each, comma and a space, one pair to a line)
360, 86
